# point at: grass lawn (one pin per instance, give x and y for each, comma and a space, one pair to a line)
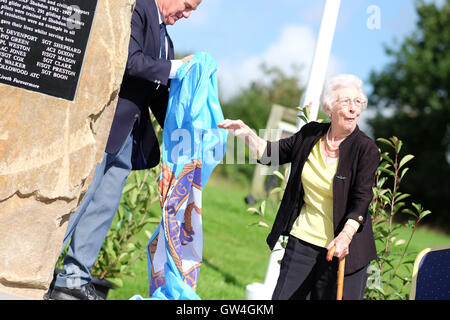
235, 255
424, 238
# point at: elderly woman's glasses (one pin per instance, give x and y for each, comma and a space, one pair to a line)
358, 102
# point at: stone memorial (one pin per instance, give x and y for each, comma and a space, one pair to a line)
61, 67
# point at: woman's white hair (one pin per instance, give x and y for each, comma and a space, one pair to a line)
341, 81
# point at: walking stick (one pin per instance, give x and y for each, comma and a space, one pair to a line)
340, 286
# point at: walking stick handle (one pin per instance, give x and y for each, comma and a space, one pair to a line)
330, 253
340, 284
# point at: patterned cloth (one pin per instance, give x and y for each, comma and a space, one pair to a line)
192, 146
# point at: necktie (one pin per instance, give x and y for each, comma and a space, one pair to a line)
162, 33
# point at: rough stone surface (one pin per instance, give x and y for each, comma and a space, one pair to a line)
49, 148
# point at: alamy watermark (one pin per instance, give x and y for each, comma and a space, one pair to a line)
73, 280
374, 278
74, 17
374, 20
186, 145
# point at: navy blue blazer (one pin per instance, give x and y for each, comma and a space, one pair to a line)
145, 84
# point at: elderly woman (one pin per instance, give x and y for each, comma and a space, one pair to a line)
326, 200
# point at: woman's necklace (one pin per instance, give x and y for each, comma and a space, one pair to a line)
331, 151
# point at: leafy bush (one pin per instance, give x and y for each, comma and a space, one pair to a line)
386, 281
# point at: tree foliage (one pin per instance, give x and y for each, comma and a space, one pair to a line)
390, 273
253, 106
411, 96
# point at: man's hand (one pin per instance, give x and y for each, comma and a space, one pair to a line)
187, 58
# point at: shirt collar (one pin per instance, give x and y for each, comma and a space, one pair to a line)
159, 13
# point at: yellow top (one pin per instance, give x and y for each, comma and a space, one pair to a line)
315, 222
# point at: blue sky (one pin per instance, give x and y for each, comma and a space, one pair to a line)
241, 34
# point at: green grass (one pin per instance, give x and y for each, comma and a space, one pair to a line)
424, 238
235, 255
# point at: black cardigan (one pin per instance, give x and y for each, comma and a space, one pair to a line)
352, 187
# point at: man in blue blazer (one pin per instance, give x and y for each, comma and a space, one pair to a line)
132, 143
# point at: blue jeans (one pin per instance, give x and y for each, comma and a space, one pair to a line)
90, 224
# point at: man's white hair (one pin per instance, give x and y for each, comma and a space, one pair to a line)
341, 81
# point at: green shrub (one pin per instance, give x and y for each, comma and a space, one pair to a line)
390, 274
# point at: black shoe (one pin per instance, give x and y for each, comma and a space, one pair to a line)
85, 292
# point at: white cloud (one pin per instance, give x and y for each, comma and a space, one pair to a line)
295, 46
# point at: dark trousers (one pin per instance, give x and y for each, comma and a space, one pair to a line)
305, 274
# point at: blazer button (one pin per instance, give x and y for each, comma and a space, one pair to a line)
360, 218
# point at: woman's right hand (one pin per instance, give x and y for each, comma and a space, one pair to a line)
242, 131
236, 127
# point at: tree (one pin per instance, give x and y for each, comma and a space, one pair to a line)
253, 105
414, 88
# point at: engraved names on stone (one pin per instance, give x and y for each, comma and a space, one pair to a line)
43, 42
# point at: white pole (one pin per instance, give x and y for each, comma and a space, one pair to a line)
319, 65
